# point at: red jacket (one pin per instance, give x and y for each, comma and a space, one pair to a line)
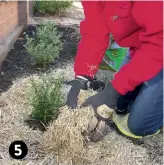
137, 25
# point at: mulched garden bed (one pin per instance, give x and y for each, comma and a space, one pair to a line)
19, 63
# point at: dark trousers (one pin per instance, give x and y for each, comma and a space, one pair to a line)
145, 105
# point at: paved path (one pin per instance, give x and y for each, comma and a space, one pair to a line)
72, 17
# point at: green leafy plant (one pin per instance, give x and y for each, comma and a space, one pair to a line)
45, 98
51, 7
45, 47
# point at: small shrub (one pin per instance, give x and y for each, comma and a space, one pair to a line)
45, 47
51, 7
46, 98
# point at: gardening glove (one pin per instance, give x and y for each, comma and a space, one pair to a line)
94, 84
78, 83
108, 96
98, 127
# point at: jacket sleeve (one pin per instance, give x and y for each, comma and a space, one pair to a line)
94, 39
147, 61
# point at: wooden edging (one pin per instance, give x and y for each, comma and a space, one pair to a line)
9, 42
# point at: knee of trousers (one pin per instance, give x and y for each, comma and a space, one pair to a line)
140, 128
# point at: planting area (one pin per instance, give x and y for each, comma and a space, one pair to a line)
29, 112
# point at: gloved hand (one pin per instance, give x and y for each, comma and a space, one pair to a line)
108, 96
97, 127
84, 83
77, 84
97, 85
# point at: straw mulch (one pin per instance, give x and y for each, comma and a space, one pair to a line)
63, 141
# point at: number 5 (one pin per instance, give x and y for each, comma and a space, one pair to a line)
18, 151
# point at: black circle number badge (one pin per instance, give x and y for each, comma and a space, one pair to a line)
18, 150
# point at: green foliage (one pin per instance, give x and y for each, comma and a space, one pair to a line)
46, 98
51, 7
46, 46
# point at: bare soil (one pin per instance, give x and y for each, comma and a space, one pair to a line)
19, 63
